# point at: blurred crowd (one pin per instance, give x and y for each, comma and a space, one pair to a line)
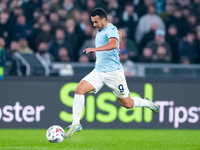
153, 31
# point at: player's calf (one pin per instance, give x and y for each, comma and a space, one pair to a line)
127, 102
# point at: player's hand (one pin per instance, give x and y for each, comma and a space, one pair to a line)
88, 50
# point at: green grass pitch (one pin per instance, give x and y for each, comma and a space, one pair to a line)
102, 139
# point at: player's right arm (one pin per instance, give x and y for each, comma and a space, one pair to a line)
112, 44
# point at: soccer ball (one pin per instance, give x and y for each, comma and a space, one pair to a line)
55, 134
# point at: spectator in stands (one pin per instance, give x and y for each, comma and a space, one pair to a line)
54, 21
23, 47
159, 6
196, 8
3, 6
187, 47
43, 52
36, 15
83, 29
45, 35
29, 7
5, 27
69, 6
77, 17
178, 19
191, 22
14, 47
71, 36
55, 5
128, 45
11, 56
82, 22
41, 20
128, 65
103, 4
147, 37
37, 28
173, 40
110, 18
63, 55
161, 55
89, 43
90, 5
38, 24
113, 9
145, 22
178, 16
59, 42
83, 59
159, 40
13, 4
46, 9
15, 13
185, 60
2, 43
22, 29
184, 3
186, 12
142, 7
147, 55
62, 14
129, 19
87, 32
169, 9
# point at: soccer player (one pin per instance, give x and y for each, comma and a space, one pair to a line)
108, 71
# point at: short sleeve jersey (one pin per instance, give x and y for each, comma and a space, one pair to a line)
107, 61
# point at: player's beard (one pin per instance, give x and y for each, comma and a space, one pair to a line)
100, 27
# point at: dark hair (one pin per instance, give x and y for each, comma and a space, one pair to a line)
99, 12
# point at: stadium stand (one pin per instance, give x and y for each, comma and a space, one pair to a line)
39, 21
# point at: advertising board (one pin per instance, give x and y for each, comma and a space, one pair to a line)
42, 102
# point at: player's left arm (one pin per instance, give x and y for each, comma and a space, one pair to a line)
112, 44
120, 38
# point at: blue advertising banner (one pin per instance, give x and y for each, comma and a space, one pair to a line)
42, 102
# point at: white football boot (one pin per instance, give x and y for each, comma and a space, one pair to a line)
73, 129
153, 106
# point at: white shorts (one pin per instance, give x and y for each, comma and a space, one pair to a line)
115, 80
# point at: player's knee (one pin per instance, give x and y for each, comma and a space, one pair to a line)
79, 91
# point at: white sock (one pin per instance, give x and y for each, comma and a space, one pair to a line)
78, 104
139, 102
